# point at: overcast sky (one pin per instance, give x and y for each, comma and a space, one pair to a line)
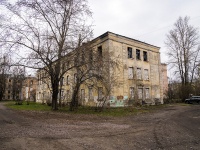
145, 20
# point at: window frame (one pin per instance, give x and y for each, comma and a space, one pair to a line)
139, 76
145, 56
138, 55
140, 92
147, 93
146, 76
131, 92
90, 93
130, 72
129, 52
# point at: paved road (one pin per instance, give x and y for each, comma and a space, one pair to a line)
175, 127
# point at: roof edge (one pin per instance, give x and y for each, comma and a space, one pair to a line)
108, 32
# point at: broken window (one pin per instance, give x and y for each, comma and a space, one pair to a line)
100, 93
138, 54
130, 52
146, 74
130, 73
139, 73
90, 93
147, 95
131, 92
140, 91
145, 55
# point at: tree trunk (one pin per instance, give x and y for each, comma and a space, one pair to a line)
55, 97
74, 101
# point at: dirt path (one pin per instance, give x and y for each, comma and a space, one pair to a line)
175, 127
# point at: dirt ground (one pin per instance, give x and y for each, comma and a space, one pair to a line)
174, 127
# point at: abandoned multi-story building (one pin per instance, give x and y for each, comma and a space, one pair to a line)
12, 89
138, 77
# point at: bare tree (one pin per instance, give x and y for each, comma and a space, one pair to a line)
93, 70
183, 50
4, 73
47, 30
18, 76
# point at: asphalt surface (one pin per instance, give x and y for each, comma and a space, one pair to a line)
174, 127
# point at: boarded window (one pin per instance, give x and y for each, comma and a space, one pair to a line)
140, 91
100, 93
147, 95
137, 53
129, 49
145, 56
130, 73
82, 94
131, 92
139, 73
90, 93
146, 74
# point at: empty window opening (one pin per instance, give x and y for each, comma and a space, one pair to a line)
145, 55
130, 52
100, 54
137, 53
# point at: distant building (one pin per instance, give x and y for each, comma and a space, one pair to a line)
139, 76
13, 87
23, 88
29, 88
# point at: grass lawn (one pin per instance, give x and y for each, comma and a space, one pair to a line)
24, 106
117, 112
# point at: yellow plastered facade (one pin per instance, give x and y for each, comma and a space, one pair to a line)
138, 77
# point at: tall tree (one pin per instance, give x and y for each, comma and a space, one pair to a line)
4, 72
18, 76
93, 69
47, 30
183, 50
